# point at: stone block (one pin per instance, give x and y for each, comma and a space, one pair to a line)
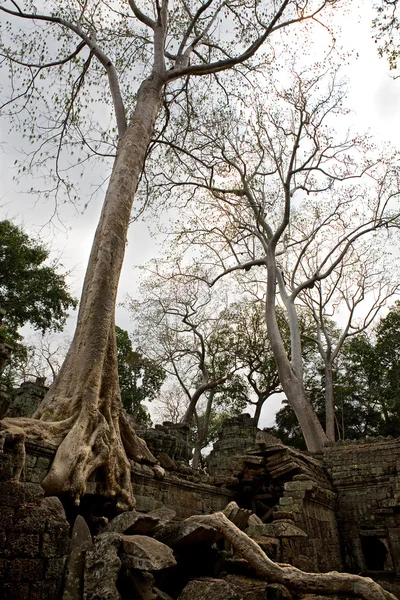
55, 543
132, 522
217, 589
45, 590
145, 553
22, 545
14, 591
6, 517
54, 568
26, 569
4, 564
30, 519
6, 467
15, 494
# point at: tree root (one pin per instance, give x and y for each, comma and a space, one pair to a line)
294, 579
85, 443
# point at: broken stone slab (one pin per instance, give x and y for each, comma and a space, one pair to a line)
54, 504
270, 546
133, 522
185, 534
254, 589
279, 529
145, 553
164, 515
217, 589
238, 516
254, 520
81, 541
102, 568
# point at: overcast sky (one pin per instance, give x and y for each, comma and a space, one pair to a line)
374, 96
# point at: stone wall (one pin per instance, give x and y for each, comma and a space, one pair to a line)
366, 476
34, 540
187, 491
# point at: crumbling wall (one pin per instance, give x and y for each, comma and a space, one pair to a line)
366, 477
34, 540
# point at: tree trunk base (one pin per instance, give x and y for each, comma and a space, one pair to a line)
85, 443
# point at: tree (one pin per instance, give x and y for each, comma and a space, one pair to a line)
359, 287
273, 192
140, 378
31, 291
366, 386
183, 328
386, 30
78, 42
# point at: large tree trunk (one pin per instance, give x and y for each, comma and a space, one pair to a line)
82, 411
292, 384
329, 406
202, 430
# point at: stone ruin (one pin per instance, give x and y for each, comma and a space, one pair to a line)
339, 510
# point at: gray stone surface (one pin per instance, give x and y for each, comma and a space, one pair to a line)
186, 534
132, 522
205, 588
102, 568
81, 541
145, 553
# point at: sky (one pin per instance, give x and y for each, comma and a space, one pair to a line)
374, 96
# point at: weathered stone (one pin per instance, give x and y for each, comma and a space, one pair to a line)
81, 541
55, 543
238, 516
54, 504
102, 568
166, 461
186, 534
276, 591
16, 493
26, 569
14, 591
22, 545
55, 568
164, 515
254, 520
279, 529
247, 587
6, 467
132, 522
29, 519
6, 517
145, 553
217, 589
45, 590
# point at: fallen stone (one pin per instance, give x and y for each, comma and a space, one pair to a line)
278, 530
145, 553
238, 516
166, 461
215, 589
254, 520
81, 541
133, 522
185, 534
102, 568
54, 504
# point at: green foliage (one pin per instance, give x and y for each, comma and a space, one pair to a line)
30, 291
366, 387
140, 378
386, 30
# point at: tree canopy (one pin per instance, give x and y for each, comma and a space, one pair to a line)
366, 386
31, 291
140, 378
